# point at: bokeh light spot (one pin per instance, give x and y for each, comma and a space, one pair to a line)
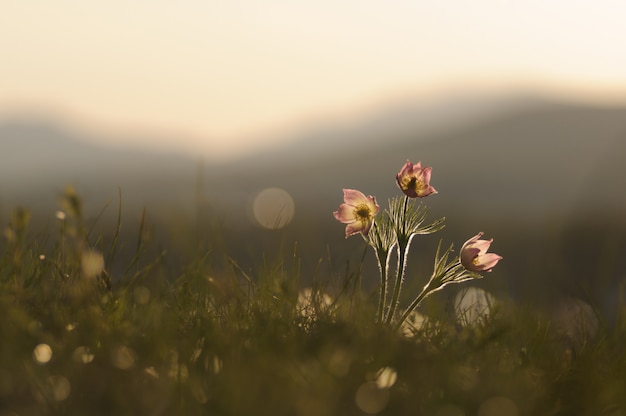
83, 355
413, 323
386, 377
151, 371
370, 399
92, 263
42, 353
217, 364
60, 387
273, 208
473, 305
123, 357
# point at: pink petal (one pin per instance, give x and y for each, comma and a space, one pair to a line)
426, 172
482, 245
354, 197
345, 214
406, 169
354, 228
472, 240
489, 260
425, 192
468, 254
372, 205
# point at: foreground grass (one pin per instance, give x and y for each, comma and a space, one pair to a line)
78, 338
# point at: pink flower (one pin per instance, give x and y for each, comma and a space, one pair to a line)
414, 180
357, 211
474, 256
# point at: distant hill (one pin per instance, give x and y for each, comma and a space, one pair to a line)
37, 160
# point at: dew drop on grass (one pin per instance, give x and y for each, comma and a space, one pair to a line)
42, 354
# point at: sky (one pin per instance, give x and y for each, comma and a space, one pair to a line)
214, 76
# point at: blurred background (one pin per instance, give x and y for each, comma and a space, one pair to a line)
237, 124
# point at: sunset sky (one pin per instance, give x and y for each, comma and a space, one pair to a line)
213, 76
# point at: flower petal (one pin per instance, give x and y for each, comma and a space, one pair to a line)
354, 228
474, 254
354, 197
488, 261
468, 254
345, 214
482, 245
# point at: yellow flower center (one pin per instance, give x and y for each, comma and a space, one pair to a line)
475, 261
415, 184
362, 212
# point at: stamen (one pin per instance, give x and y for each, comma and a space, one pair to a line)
362, 212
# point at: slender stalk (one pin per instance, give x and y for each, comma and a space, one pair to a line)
404, 243
423, 294
403, 249
384, 268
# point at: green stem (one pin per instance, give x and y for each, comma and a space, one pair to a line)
383, 265
402, 251
423, 294
404, 242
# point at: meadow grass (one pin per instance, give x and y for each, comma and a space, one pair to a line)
86, 331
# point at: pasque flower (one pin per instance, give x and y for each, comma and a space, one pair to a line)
357, 211
414, 180
474, 256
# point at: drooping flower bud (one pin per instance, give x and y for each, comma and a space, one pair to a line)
474, 256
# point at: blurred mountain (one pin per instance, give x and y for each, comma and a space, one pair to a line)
38, 159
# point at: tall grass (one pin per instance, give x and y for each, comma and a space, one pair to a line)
86, 331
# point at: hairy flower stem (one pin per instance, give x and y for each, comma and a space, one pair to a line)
454, 272
423, 294
383, 265
404, 242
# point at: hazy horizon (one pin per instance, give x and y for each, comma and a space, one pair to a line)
410, 114
213, 78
